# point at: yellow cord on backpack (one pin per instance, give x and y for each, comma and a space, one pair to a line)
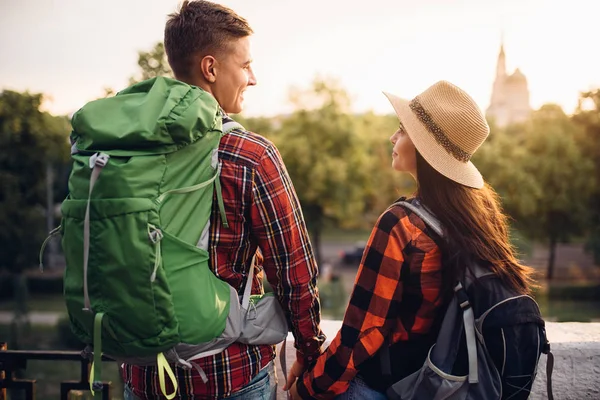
163, 366
91, 379
97, 359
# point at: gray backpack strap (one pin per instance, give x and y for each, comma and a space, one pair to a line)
549, 368
248, 285
230, 126
426, 215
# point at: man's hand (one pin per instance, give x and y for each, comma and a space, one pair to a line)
295, 372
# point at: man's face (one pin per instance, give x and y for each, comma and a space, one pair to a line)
234, 75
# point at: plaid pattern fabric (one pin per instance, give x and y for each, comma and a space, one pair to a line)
397, 292
264, 213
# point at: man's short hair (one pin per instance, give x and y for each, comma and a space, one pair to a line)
200, 28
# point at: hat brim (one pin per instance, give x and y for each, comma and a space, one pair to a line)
434, 153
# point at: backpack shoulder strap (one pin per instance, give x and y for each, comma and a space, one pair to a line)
230, 126
423, 213
476, 271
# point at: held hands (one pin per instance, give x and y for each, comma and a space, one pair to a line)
293, 393
290, 385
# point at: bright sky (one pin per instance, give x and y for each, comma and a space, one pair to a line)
72, 49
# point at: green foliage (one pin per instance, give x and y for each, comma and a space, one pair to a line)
542, 175
561, 172
500, 160
30, 141
261, 125
325, 157
588, 117
152, 63
322, 146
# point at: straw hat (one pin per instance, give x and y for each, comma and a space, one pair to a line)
446, 127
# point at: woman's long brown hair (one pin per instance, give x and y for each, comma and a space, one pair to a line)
475, 228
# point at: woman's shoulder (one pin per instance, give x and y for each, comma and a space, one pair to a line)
406, 215
401, 209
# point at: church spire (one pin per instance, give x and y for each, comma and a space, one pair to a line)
501, 65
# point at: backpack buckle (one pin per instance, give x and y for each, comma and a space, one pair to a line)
99, 160
462, 297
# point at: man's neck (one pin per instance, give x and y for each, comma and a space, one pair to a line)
196, 82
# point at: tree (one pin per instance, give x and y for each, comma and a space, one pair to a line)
501, 161
325, 157
587, 116
30, 140
542, 177
152, 63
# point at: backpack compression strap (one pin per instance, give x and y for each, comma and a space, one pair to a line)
549, 368
97, 162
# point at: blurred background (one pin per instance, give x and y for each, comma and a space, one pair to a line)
321, 67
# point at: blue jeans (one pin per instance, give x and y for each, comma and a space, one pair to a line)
358, 390
262, 387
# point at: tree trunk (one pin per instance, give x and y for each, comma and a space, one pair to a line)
314, 221
551, 258
315, 238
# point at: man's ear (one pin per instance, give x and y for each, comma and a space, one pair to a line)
208, 66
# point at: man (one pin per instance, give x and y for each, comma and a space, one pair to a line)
208, 45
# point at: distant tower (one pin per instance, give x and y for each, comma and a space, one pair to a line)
510, 96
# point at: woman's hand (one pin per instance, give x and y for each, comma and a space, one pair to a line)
290, 385
295, 372
293, 393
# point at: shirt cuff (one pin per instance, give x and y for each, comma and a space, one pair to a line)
307, 356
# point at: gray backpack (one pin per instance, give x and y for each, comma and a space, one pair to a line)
489, 342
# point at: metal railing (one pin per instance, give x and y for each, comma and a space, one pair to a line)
12, 361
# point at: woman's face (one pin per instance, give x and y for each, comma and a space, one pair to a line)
404, 155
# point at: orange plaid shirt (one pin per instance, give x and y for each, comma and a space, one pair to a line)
396, 292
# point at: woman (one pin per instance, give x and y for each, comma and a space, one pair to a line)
401, 287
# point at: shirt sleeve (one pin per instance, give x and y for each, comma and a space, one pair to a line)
368, 318
289, 262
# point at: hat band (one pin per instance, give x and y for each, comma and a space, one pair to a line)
437, 132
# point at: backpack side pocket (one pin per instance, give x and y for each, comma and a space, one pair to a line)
202, 301
265, 321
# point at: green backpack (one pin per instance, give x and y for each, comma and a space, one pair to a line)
135, 227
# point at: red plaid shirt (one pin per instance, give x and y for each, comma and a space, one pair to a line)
397, 292
263, 212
